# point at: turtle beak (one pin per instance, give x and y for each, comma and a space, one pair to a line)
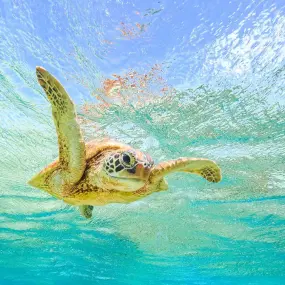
142, 172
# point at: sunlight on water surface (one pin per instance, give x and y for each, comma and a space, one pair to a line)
173, 79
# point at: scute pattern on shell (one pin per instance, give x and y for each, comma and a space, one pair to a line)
80, 175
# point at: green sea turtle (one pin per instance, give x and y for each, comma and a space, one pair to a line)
98, 173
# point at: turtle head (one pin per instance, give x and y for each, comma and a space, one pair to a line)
127, 170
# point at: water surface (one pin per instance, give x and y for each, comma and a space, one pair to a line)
193, 78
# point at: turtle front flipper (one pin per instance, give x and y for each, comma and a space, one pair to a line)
86, 211
208, 169
71, 144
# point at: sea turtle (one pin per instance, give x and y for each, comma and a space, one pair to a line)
98, 173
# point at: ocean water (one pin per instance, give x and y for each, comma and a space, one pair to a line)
173, 78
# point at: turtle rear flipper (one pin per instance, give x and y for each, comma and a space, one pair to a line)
86, 211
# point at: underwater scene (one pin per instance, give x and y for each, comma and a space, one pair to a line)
196, 79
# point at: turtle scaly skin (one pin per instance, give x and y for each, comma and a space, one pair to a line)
98, 173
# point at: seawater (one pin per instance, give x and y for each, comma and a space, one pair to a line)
207, 81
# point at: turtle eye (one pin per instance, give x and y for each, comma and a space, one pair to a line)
127, 159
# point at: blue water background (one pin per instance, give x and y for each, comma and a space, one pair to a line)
225, 59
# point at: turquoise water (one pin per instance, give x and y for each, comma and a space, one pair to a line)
216, 91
